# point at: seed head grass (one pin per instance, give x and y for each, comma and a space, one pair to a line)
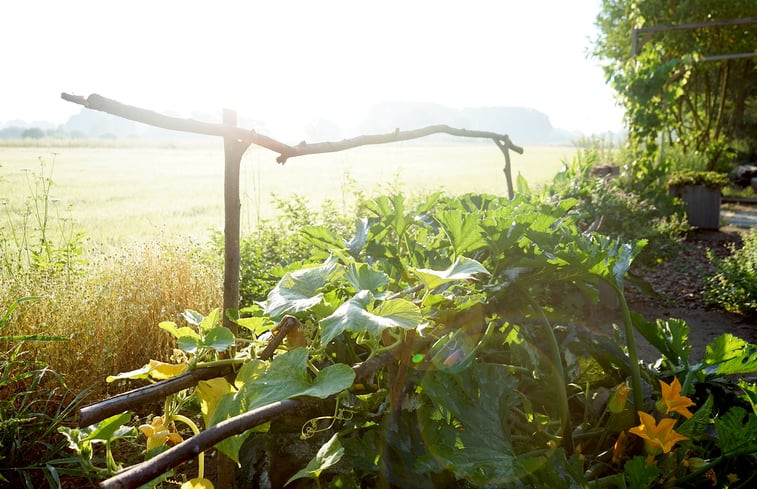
110, 313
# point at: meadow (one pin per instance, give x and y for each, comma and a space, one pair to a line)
146, 210
130, 192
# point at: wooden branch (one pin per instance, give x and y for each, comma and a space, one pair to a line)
98, 102
146, 471
138, 397
141, 473
149, 117
392, 137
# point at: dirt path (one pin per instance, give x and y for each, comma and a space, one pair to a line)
679, 288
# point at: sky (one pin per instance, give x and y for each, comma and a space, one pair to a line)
293, 61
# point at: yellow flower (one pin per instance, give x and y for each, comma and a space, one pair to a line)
732, 478
657, 437
673, 401
618, 399
158, 434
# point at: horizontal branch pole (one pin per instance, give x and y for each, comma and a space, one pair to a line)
139, 397
149, 117
144, 472
693, 25
143, 395
103, 104
391, 137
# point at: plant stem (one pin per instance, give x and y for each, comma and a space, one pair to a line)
633, 354
559, 379
618, 480
196, 431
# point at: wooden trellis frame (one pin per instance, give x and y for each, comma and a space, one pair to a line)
236, 142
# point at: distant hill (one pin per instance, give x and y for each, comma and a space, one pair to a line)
523, 125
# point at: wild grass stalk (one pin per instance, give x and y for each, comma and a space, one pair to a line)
110, 314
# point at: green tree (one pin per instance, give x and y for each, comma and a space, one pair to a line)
678, 82
33, 133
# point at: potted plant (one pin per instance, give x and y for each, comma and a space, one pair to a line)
700, 192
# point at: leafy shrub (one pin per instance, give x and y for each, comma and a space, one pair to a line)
469, 372
708, 179
267, 252
734, 285
617, 208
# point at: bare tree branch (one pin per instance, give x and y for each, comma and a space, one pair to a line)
392, 137
146, 471
141, 473
138, 397
103, 104
142, 395
98, 102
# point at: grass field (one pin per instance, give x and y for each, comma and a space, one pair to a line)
130, 192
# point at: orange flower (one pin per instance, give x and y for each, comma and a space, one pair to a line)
672, 401
158, 433
657, 437
619, 448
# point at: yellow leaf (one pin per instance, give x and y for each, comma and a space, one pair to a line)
163, 371
210, 392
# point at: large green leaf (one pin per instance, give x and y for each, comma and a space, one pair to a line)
728, 355
285, 377
391, 209
329, 454
258, 325
112, 428
462, 229
323, 239
462, 269
355, 245
363, 277
219, 338
669, 336
470, 438
357, 315
641, 475
188, 340
298, 291
737, 432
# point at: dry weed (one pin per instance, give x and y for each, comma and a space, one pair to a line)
111, 313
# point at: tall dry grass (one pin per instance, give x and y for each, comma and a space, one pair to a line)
111, 312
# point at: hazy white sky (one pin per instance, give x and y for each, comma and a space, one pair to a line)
290, 60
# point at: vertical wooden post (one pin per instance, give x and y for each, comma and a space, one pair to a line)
233, 150
508, 172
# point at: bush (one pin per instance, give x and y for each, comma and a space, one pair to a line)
273, 246
734, 285
619, 208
